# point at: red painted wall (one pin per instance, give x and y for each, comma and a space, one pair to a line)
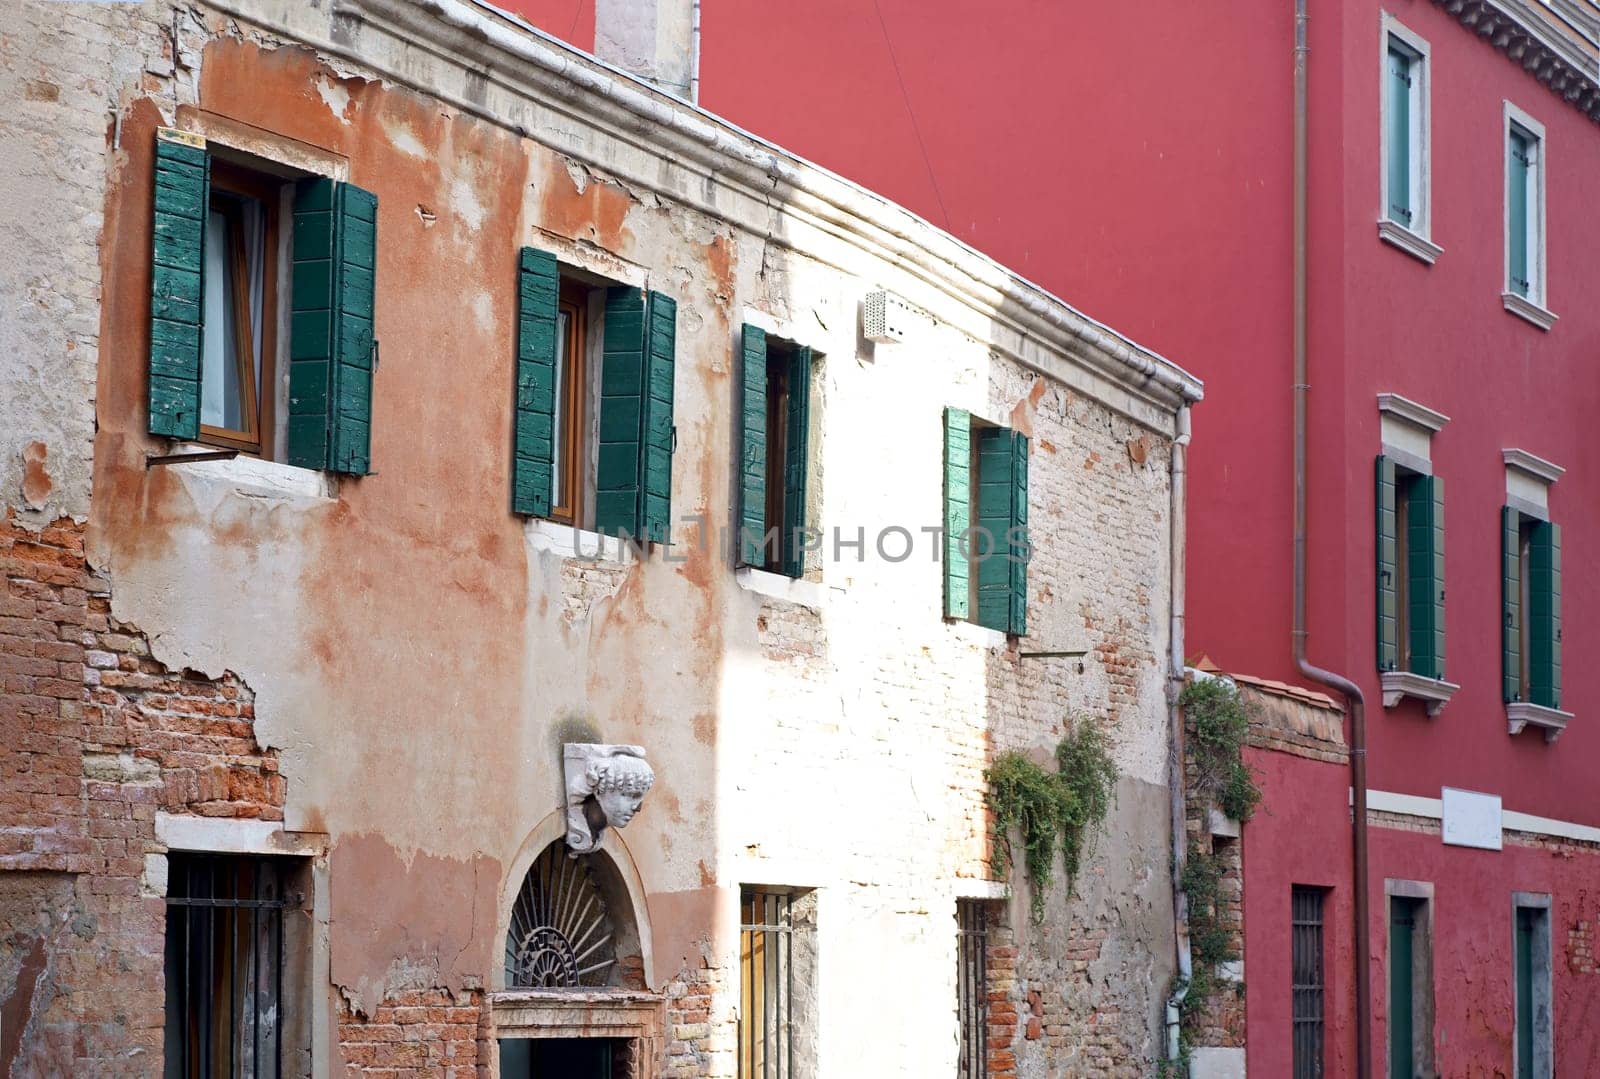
570, 20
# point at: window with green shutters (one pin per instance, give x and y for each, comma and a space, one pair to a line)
985, 523
1519, 161
774, 417
1410, 571
214, 350
1404, 108
1525, 216
1530, 557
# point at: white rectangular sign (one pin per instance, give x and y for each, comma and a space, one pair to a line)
1471, 819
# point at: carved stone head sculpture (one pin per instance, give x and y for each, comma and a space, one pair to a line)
605, 787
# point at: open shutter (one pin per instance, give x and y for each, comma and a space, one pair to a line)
1517, 157
1511, 613
795, 453
957, 510
1399, 137
1544, 610
1017, 542
177, 273
1387, 570
995, 498
331, 349
660, 435
538, 308
751, 518
1425, 569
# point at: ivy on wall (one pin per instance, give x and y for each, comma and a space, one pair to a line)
1051, 810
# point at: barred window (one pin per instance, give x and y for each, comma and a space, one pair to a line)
972, 964
766, 984
1308, 981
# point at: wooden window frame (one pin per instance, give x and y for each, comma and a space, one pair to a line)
571, 406
259, 406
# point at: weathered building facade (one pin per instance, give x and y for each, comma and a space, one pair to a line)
282, 774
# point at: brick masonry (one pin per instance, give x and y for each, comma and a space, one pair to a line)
95, 738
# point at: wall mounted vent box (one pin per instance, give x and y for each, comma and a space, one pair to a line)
885, 318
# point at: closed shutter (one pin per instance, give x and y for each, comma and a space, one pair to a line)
957, 511
796, 450
633, 482
331, 346
1387, 569
1017, 536
1511, 613
538, 322
1399, 136
660, 435
1425, 570
177, 271
1544, 612
1517, 158
752, 513
996, 495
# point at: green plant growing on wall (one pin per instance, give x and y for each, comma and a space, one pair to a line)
1051, 810
1218, 724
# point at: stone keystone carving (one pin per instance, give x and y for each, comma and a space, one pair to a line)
605, 786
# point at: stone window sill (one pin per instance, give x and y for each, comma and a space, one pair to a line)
973, 633
1528, 310
257, 478
777, 586
1414, 244
569, 541
1434, 692
1523, 714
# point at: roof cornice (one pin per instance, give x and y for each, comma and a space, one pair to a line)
481, 61
1558, 45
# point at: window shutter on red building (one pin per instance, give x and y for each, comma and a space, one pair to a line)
538, 305
1388, 622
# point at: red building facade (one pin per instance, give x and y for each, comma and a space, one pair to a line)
1138, 159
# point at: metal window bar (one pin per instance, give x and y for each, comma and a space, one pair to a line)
1308, 981
972, 995
225, 966
766, 975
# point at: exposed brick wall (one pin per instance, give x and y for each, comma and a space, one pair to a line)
96, 737
424, 1032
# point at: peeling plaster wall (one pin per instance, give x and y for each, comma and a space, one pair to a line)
417, 654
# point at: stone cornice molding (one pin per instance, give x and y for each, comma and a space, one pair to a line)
1536, 467
1406, 409
486, 63
1566, 59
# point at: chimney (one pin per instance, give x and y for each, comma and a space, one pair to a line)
656, 40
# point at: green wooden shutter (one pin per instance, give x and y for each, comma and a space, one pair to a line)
1517, 157
751, 519
331, 347
633, 481
1527, 926
1387, 570
1402, 933
1425, 570
1399, 136
660, 435
795, 453
177, 274
957, 510
996, 495
538, 321
1017, 544
1511, 613
1544, 611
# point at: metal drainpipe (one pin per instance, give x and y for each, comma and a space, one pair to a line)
1180, 833
694, 54
1352, 692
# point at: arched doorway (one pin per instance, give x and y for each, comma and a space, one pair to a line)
574, 1003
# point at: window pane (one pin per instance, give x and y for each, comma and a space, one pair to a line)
1401, 203
564, 417
219, 376
1517, 211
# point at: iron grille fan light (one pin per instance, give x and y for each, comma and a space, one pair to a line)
560, 935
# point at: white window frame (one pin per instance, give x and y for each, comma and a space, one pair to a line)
1414, 239
1535, 307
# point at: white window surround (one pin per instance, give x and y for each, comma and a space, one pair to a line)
1414, 238
255, 477
778, 586
570, 541
1528, 480
1406, 429
1521, 715
1534, 307
1434, 692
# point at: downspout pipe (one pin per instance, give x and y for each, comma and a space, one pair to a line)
1354, 698
1175, 673
694, 54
